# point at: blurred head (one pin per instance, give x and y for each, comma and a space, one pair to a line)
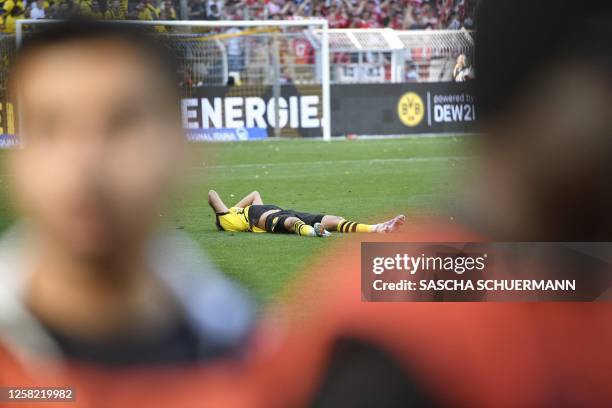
547, 111
101, 134
461, 60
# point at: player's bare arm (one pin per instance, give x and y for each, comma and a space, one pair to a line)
216, 203
253, 198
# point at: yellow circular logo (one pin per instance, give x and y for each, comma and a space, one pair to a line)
410, 109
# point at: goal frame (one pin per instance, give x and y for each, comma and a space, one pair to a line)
321, 24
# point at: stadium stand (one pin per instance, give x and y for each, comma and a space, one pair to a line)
370, 42
396, 14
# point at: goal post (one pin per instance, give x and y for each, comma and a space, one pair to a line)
269, 73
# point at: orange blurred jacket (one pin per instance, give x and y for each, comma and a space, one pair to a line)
460, 354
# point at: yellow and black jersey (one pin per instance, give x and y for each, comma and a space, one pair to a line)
115, 14
246, 219
237, 219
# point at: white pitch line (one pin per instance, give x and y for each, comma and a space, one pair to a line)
324, 162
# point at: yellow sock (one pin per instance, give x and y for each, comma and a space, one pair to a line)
349, 226
303, 229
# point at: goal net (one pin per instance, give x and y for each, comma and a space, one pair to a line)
385, 55
246, 79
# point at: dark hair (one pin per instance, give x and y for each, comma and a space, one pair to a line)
517, 39
15, 11
81, 29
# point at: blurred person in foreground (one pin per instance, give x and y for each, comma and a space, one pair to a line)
88, 276
544, 175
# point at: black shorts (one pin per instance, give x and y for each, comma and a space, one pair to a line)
256, 211
276, 221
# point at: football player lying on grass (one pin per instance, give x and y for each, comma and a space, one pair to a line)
251, 215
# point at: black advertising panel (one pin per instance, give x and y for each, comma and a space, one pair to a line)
397, 109
247, 112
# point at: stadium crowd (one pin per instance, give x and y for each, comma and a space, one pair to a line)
396, 14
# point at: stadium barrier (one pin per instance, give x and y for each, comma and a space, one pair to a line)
7, 121
399, 109
221, 113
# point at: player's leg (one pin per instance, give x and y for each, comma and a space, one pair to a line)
314, 220
336, 223
299, 227
289, 222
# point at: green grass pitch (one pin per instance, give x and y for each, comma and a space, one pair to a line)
362, 180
